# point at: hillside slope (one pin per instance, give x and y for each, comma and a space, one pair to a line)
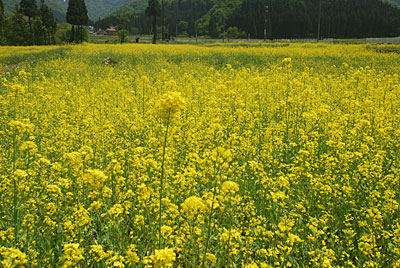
132, 7
396, 2
96, 8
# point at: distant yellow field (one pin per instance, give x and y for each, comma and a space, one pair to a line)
16, 51
222, 155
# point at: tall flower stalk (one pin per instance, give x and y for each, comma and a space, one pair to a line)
170, 103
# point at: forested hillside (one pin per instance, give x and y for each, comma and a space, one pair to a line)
275, 18
96, 8
395, 2
243, 18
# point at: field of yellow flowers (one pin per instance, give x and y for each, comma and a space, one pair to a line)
201, 156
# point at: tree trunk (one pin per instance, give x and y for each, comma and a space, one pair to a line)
81, 32
154, 29
72, 38
45, 37
2, 34
319, 21
30, 30
162, 20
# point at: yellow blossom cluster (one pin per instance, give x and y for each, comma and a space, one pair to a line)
170, 103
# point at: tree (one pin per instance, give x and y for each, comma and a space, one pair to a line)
16, 30
232, 33
182, 27
29, 9
321, 2
83, 17
212, 28
49, 23
122, 35
77, 16
72, 17
282, 19
39, 31
153, 10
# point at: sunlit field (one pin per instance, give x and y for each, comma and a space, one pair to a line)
245, 155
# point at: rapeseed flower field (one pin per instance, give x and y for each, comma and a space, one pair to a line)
201, 156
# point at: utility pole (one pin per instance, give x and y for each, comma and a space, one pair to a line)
265, 22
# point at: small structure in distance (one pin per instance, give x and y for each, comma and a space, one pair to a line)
110, 31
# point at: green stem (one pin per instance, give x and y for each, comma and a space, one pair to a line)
210, 216
143, 101
15, 195
286, 108
15, 204
162, 182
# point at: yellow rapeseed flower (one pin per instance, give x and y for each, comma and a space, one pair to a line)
192, 206
170, 103
12, 257
230, 187
163, 258
72, 255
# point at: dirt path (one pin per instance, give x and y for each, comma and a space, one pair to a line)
9, 68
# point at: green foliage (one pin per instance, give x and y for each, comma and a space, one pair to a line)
45, 30
39, 31
28, 8
153, 10
101, 8
395, 3
15, 33
233, 33
282, 19
77, 15
73, 12
63, 33
83, 13
123, 36
132, 7
182, 27
49, 23
96, 8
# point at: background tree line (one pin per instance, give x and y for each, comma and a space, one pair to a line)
31, 24
303, 18
28, 24
272, 19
